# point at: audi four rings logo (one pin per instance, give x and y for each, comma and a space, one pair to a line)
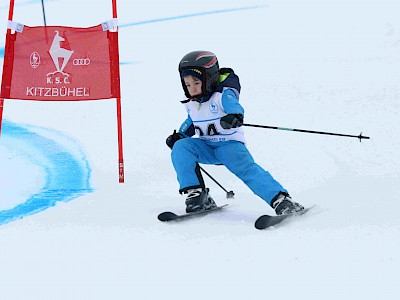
81, 62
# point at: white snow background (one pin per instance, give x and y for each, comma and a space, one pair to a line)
320, 65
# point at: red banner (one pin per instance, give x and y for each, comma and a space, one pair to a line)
61, 63
56, 63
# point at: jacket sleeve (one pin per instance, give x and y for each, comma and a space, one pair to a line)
230, 103
187, 127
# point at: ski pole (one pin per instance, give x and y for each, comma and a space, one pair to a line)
229, 194
360, 136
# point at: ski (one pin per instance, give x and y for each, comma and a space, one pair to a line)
266, 221
170, 216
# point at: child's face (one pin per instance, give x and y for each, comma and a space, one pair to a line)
193, 85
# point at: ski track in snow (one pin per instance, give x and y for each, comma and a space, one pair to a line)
66, 174
191, 15
199, 14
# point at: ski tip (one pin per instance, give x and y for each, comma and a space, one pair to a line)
261, 222
266, 221
167, 216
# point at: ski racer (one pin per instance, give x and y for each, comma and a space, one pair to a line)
212, 134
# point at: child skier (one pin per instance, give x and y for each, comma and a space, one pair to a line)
215, 116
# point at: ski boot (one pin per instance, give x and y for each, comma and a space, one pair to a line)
284, 205
198, 199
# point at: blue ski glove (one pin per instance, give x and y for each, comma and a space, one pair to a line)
231, 121
171, 140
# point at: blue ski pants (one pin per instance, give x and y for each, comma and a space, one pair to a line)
188, 152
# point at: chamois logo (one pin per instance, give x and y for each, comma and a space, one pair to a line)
213, 107
59, 54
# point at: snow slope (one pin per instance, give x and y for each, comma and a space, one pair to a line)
319, 65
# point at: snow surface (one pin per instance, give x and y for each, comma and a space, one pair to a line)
319, 65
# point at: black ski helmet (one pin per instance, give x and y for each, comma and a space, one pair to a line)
207, 63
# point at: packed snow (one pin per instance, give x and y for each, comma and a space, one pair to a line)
69, 230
